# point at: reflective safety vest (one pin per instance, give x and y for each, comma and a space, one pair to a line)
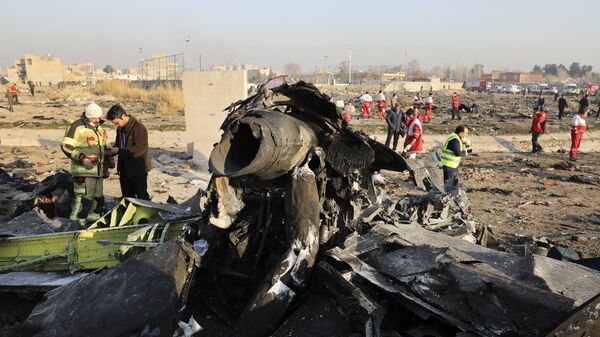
449, 159
81, 141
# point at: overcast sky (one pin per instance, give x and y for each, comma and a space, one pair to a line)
505, 34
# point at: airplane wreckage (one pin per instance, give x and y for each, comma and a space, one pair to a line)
291, 238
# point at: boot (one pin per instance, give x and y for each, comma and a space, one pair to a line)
86, 207
96, 210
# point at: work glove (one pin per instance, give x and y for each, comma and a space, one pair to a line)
87, 163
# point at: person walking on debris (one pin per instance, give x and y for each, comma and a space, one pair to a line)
31, 88
394, 100
9, 98
584, 103
132, 147
541, 101
85, 144
456, 146
562, 104
578, 127
413, 142
417, 101
538, 127
380, 105
555, 96
428, 107
365, 101
455, 105
395, 122
15, 93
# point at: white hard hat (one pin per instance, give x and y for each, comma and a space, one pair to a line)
93, 110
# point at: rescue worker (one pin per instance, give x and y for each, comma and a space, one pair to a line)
14, 92
538, 127
413, 142
380, 105
394, 119
365, 101
578, 127
455, 105
562, 104
417, 101
428, 107
85, 144
346, 116
456, 146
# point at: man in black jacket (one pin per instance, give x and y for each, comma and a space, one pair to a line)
132, 147
562, 104
395, 123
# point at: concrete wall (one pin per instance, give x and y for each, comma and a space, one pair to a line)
434, 84
206, 94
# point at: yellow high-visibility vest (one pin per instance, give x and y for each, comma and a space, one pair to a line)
448, 157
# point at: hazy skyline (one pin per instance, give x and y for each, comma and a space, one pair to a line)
509, 34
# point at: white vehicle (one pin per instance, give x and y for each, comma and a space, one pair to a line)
511, 89
496, 88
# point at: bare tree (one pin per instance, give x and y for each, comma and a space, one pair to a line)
292, 69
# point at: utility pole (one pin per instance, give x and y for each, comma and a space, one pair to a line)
350, 67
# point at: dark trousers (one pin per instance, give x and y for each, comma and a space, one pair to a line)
561, 112
455, 112
134, 187
451, 181
395, 135
536, 147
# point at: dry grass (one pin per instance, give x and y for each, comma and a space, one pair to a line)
167, 99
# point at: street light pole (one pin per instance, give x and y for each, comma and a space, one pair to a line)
350, 67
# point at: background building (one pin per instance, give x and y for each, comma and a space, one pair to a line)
42, 70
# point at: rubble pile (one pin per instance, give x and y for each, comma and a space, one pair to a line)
293, 238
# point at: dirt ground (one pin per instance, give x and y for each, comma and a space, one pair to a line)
52, 108
520, 196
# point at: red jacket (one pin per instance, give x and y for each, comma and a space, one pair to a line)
13, 90
414, 132
539, 122
455, 101
347, 117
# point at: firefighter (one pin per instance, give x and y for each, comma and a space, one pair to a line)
413, 142
380, 105
85, 144
578, 127
538, 127
455, 105
428, 106
456, 146
366, 100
